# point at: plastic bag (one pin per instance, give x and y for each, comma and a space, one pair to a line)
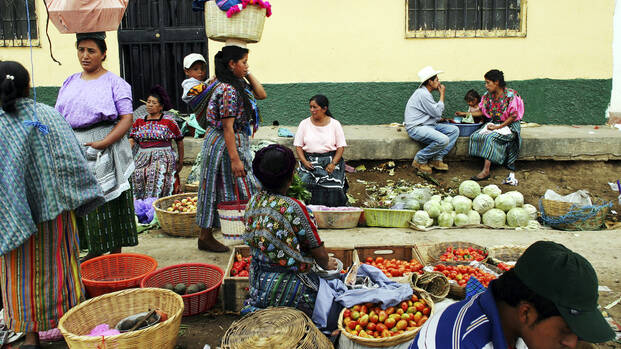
580, 198
144, 210
78, 16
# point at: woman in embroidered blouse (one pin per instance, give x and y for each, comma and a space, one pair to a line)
319, 143
283, 238
232, 116
155, 160
98, 106
503, 108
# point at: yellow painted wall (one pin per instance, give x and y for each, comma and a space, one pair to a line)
46, 72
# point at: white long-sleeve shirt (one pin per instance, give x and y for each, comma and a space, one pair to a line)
422, 109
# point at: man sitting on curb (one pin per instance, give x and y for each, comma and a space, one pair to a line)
423, 121
549, 300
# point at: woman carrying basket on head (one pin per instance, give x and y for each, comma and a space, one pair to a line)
232, 116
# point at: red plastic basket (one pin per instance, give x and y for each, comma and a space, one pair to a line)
190, 273
115, 272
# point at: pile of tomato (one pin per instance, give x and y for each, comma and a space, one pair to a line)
462, 273
504, 266
395, 267
370, 321
462, 254
241, 266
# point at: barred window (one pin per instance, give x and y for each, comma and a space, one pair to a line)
465, 18
14, 23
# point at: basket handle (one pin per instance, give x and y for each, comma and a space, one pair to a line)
237, 190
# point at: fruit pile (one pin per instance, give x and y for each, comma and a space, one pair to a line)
504, 266
462, 273
181, 288
462, 254
370, 321
241, 266
394, 267
185, 205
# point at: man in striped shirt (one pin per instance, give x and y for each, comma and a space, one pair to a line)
549, 300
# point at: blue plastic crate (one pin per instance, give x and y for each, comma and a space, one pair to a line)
465, 130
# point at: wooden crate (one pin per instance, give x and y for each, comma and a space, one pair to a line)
235, 288
345, 255
401, 252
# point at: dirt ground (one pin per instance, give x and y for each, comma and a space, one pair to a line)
599, 247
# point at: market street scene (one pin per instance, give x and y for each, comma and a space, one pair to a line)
200, 174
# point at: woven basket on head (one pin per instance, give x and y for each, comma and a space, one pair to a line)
111, 308
275, 328
434, 283
246, 25
176, 223
434, 252
565, 216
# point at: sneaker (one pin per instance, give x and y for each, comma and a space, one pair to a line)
438, 165
424, 168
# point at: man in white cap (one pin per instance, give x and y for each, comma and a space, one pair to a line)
424, 123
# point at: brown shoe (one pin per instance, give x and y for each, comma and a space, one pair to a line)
424, 168
439, 165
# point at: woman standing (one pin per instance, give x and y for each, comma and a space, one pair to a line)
44, 179
499, 140
156, 165
319, 143
98, 106
232, 116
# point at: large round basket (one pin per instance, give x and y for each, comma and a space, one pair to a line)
115, 272
78, 322
275, 328
380, 217
434, 252
246, 25
565, 216
505, 253
191, 187
196, 303
387, 341
176, 223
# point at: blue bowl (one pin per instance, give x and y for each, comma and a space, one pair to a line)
465, 130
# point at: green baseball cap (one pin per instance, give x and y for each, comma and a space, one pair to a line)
569, 281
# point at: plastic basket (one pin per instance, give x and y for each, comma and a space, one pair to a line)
246, 25
190, 273
337, 219
465, 130
380, 217
176, 223
112, 308
567, 216
115, 272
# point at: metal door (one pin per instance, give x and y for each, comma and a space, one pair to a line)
154, 36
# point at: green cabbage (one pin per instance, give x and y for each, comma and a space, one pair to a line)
433, 208
494, 218
532, 211
482, 203
517, 196
469, 189
448, 199
461, 219
436, 198
492, 190
505, 202
445, 220
517, 217
462, 204
421, 218
474, 217
446, 206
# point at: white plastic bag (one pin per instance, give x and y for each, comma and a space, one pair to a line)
580, 198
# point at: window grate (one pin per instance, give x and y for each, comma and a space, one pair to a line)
465, 18
14, 23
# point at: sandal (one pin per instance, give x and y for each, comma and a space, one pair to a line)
478, 179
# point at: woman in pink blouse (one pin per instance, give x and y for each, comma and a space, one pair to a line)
319, 143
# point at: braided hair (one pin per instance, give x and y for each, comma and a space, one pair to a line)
224, 74
14, 82
273, 166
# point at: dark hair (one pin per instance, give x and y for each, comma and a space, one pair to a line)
472, 95
14, 82
323, 102
426, 82
158, 92
273, 166
511, 290
496, 76
101, 44
224, 74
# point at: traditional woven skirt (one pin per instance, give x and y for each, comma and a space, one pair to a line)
499, 149
328, 189
217, 182
154, 176
41, 278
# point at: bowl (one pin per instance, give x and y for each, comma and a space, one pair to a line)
465, 130
329, 274
336, 217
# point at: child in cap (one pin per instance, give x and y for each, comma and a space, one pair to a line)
473, 99
195, 68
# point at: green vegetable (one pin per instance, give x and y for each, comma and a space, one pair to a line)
297, 190
469, 189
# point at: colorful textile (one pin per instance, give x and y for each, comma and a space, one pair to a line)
224, 102
497, 148
40, 279
217, 178
328, 189
192, 87
154, 176
499, 108
110, 226
319, 139
41, 176
87, 102
157, 133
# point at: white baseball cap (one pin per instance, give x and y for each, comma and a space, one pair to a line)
191, 58
426, 73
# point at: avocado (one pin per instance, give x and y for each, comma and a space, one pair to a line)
180, 288
192, 289
169, 286
201, 286
127, 325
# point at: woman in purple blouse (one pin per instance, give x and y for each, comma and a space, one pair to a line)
98, 106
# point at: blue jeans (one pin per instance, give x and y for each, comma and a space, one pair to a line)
439, 138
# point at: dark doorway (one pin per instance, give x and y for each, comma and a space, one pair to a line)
154, 36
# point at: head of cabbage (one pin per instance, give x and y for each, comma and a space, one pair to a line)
474, 217
505, 202
517, 217
482, 203
436, 198
462, 204
445, 220
446, 207
469, 189
433, 208
421, 218
461, 219
492, 190
494, 218
517, 196
532, 211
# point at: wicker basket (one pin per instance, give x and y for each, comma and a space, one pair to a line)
191, 273
388, 341
191, 187
115, 272
113, 307
176, 223
505, 254
231, 215
434, 252
246, 25
278, 327
380, 217
434, 283
565, 216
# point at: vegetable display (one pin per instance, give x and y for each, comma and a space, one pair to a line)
462, 273
241, 266
395, 267
462, 254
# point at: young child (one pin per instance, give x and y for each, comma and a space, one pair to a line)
473, 99
195, 68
